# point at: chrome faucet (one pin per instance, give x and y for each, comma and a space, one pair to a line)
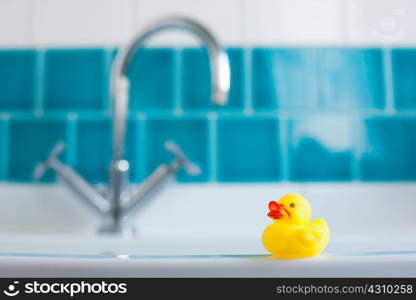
120, 204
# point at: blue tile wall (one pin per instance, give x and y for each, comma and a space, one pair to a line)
190, 133
404, 70
4, 153
18, 70
388, 151
248, 149
93, 162
30, 143
75, 79
196, 80
284, 78
294, 114
321, 148
351, 78
93, 149
152, 78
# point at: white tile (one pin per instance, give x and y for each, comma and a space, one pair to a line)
294, 22
81, 22
381, 22
223, 18
14, 23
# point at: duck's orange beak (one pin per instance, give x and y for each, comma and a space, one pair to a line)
276, 210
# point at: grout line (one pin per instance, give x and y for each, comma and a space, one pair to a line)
213, 156
388, 81
284, 147
71, 146
5, 142
177, 86
39, 105
285, 112
248, 97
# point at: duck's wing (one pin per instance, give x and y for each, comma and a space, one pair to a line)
309, 235
313, 232
318, 223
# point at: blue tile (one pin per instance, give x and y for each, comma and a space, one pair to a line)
192, 136
93, 154
320, 149
31, 142
351, 78
404, 74
283, 78
134, 150
196, 80
18, 69
76, 79
152, 78
4, 155
389, 149
93, 149
248, 149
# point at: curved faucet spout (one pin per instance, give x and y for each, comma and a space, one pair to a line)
220, 72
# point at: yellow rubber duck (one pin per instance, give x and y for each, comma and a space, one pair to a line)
291, 235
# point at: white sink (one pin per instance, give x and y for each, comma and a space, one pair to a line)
209, 231
53, 256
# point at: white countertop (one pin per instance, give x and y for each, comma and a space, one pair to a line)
208, 231
70, 256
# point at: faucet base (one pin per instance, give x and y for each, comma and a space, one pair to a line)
124, 229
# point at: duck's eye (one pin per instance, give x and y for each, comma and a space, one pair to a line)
292, 205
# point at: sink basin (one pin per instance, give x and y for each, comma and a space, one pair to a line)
57, 256
373, 233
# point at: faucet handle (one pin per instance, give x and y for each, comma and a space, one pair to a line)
190, 167
41, 167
